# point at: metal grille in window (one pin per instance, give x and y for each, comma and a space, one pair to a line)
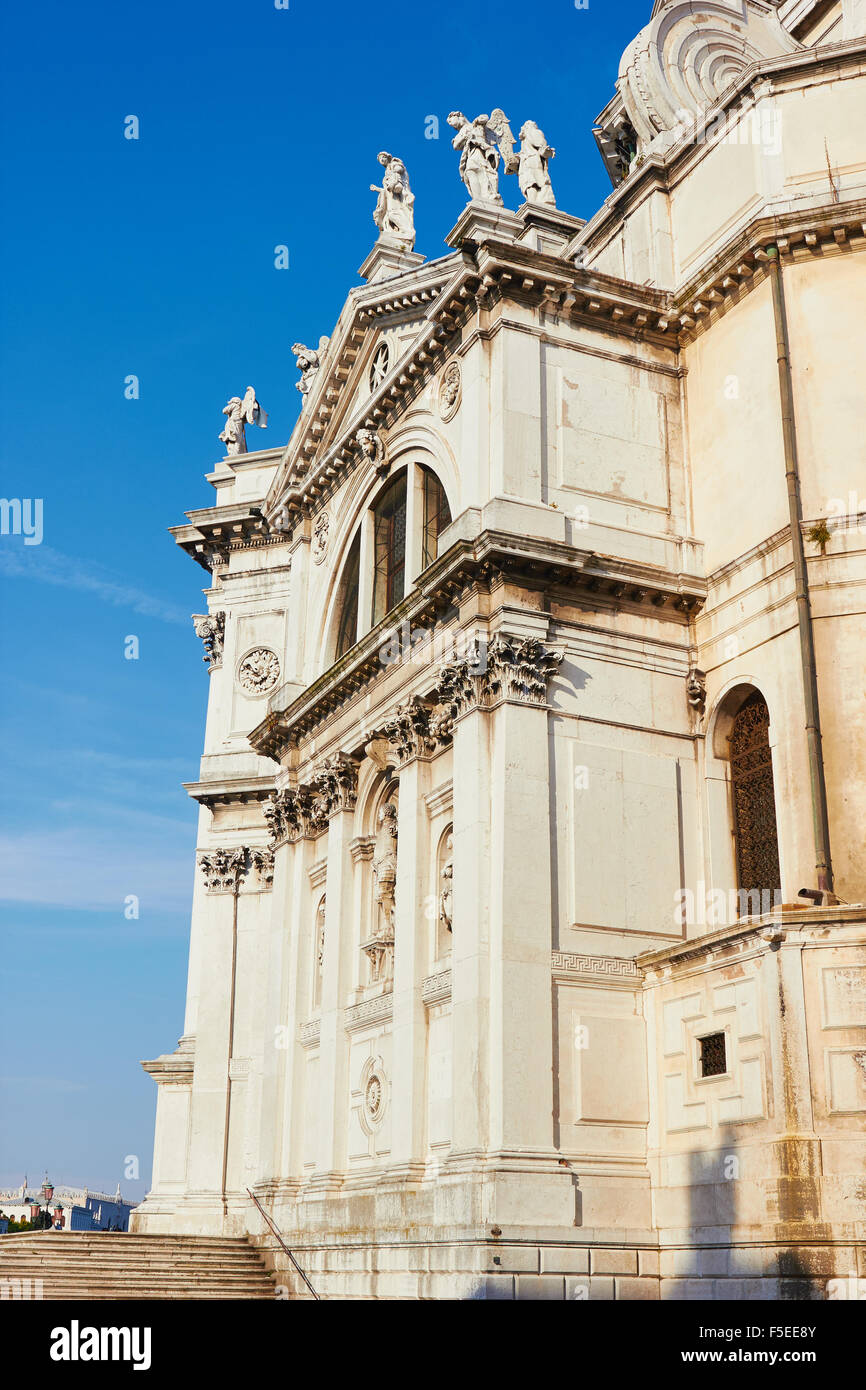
714, 1061
754, 798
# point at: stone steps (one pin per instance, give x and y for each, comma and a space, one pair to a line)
111, 1265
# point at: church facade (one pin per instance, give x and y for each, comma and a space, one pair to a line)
535, 670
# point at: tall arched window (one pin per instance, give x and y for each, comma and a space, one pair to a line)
754, 801
437, 515
389, 548
347, 631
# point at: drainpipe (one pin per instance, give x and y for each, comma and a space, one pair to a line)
820, 819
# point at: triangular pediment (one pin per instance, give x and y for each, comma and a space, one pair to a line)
380, 329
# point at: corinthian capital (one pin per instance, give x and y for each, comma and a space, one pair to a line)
519, 669
223, 869
336, 783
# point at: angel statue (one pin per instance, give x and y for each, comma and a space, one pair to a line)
241, 413
533, 159
308, 362
393, 215
479, 158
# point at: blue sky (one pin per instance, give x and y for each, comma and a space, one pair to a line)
259, 127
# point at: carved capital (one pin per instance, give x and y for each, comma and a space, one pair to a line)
408, 730
262, 861
210, 627
519, 669
336, 783
509, 668
294, 814
223, 869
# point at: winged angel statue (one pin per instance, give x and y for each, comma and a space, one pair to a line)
480, 158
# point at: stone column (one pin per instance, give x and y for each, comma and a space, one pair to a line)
337, 783
521, 1011
223, 870
470, 960
280, 1025
410, 959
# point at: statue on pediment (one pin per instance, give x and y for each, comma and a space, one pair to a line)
241, 413
393, 214
533, 158
308, 361
479, 157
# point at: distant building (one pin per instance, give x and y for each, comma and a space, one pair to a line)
72, 1208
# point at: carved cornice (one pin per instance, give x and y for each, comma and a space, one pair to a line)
436, 989
226, 869
480, 564
615, 968
379, 1009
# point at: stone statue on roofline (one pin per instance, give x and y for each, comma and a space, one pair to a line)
532, 172
393, 214
241, 413
479, 157
488, 141
308, 362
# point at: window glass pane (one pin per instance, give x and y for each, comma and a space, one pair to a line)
437, 515
347, 631
389, 549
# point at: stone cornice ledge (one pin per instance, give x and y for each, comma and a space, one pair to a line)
772, 926
489, 558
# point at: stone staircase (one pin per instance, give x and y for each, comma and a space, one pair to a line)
112, 1265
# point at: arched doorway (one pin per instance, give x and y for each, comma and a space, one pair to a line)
754, 800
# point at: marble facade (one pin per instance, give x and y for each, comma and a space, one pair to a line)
475, 1006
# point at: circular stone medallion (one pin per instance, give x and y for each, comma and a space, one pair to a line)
259, 671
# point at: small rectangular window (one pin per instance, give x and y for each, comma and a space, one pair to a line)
714, 1061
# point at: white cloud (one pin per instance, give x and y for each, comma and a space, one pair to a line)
48, 566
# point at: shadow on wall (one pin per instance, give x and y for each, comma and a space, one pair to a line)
732, 1195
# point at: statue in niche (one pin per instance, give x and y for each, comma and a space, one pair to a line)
446, 881
533, 158
393, 214
380, 948
479, 157
241, 413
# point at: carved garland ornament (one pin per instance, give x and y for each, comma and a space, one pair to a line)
259, 671
321, 536
211, 627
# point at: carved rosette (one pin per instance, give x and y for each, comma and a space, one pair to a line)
258, 671
211, 627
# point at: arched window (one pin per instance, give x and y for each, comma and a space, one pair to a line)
437, 515
754, 801
444, 881
347, 631
318, 952
389, 548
